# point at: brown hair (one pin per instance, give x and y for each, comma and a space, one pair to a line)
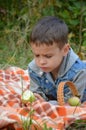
49, 30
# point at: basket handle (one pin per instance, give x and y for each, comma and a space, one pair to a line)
60, 91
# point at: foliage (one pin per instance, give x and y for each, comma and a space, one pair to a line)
18, 18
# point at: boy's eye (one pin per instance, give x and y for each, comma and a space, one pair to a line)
36, 55
47, 56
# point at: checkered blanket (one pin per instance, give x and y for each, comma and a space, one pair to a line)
15, 115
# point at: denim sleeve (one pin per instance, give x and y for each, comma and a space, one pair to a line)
33, 85
35, 88
80, 82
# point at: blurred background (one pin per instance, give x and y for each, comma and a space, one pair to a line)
17, 18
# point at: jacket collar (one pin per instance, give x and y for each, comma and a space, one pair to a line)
67, 62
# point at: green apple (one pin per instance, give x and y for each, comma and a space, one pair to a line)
74, 101
28, 96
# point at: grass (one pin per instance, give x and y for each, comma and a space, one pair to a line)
78, 125
14, 56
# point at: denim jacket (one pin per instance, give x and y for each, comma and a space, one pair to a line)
72, 69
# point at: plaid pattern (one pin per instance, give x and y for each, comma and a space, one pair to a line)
13, 113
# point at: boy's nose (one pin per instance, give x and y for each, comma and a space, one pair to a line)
42, 61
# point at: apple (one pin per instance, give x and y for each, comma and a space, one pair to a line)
74, 101
28, 96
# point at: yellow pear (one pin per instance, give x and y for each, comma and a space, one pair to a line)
74, 101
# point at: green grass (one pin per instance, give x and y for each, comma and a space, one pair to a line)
78, 125
11, 55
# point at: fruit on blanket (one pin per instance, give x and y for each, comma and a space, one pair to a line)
74, 101
28, 96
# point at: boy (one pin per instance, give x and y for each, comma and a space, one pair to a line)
54, 60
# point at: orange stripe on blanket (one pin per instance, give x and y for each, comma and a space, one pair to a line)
23, 111
1, 92
20, 72
53, 115
11, 103
61, 111
1, 79
25, 77
15, 117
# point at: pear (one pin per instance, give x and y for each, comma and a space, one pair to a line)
28, 96
74, 101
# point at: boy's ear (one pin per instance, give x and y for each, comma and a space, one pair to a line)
66, 49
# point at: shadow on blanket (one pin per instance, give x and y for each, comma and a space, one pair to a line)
12, 112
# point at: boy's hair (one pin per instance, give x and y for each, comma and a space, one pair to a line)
50, 30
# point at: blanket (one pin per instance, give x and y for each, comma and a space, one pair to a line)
39, 114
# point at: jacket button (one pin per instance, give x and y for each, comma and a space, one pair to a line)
46, 81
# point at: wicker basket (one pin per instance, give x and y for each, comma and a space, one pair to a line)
60, 94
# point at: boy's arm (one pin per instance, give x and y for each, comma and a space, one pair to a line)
80, 82
35, 88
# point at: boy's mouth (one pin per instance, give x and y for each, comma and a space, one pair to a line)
44, 68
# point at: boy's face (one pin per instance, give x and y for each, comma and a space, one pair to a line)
49, 58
